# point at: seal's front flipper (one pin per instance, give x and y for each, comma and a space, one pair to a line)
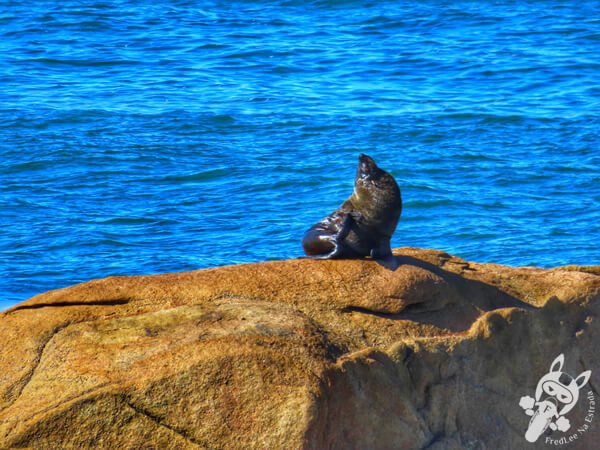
356, 216
345, 228
383, 251
341, 250
390, 263
383, 255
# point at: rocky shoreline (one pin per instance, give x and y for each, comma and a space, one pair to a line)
298, 354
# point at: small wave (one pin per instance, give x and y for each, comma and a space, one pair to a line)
77, 62
488, 118
426, 204
199, 176
380, 24
114, 243
211, 46
257, 54
41, 164
477, 156
135, 221
222, 118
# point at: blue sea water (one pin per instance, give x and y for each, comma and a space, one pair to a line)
145, 137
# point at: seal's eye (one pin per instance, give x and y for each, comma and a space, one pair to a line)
549, 389
563, 398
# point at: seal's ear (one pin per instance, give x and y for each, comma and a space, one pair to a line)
557, 363
583, 378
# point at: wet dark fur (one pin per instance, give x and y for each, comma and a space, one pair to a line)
364, 224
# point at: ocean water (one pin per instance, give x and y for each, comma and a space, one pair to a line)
145, 137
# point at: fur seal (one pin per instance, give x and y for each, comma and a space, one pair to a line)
364, 224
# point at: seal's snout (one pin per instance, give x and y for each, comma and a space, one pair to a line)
366, 159
366, 165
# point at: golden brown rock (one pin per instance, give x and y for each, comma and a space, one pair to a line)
313, 354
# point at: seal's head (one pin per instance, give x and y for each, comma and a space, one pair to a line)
372, 182
376, 194
367, 169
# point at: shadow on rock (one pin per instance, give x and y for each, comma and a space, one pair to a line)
442, 298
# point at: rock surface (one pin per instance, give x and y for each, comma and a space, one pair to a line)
301, 353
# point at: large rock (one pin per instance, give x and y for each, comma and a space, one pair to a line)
300, 354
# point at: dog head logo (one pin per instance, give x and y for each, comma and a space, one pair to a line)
561, 386
556, 394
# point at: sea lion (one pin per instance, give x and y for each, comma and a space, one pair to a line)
364, 224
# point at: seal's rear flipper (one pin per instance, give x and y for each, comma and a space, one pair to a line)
338, 252
321, 243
